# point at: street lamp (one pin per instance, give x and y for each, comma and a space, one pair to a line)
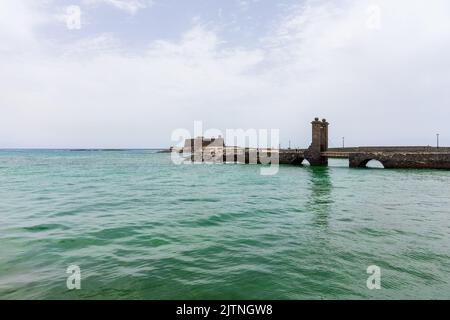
437, 139
343, 142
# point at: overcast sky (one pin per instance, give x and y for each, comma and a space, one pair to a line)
126, 73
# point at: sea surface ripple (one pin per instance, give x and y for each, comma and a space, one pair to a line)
141, 227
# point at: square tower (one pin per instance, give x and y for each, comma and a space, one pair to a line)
319, 143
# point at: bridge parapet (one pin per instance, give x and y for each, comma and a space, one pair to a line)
391, 149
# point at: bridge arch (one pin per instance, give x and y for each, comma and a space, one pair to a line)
372, 163
298, 161
360, 160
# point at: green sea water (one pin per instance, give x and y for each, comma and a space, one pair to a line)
140, 227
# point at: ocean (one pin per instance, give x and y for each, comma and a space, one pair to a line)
140, 227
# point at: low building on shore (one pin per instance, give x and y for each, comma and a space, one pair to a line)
200, 144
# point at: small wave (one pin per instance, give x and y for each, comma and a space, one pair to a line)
199, 200
46, 227
374, 232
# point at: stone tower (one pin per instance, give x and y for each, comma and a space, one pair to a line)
319, 143
324, 136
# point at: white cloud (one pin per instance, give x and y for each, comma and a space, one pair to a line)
377, 85
18, 21
129, 6
386, 85
72, 17
245, 5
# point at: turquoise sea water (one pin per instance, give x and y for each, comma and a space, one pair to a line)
141, 227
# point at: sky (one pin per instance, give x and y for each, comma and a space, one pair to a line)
127, 73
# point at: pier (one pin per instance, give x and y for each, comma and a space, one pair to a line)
318, 153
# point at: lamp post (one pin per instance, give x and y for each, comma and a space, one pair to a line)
437, 140
343, 142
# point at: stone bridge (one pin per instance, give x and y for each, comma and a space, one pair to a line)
391, 157
404, 160
406, 157
318, 154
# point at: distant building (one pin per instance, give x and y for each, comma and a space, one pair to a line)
202, 143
